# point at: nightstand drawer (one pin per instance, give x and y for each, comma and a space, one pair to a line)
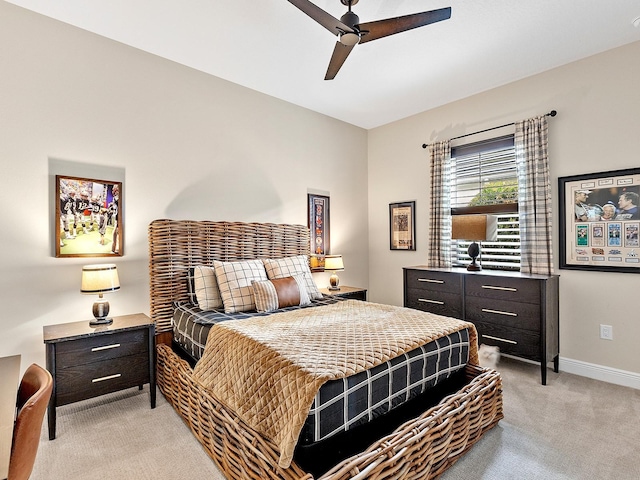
512, 341
503, 288
441, 303
102, 347
436, 281
502, 312
106, 376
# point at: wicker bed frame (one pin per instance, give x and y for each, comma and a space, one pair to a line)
421, 448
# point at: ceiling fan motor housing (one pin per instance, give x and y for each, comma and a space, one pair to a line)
351, 20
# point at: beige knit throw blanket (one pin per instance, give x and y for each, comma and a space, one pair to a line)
269, 369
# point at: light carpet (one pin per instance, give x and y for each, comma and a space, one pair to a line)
572, 428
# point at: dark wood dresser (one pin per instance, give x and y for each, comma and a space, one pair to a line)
516, 312
86, 361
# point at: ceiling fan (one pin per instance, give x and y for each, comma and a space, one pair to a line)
351, 32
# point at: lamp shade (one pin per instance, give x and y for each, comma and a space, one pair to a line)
99, 279
474, 227
333, 262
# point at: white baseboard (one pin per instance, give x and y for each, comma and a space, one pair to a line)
599, 372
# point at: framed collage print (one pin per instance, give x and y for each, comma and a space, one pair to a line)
600, 221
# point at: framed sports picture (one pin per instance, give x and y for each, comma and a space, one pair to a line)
89, 217
318, 222
402, 226
599, 221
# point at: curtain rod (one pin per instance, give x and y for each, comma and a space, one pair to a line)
552, 113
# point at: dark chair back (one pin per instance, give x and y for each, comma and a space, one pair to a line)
33, 398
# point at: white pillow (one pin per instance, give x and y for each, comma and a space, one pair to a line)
234, 280
289, 266
207, 292
271, 295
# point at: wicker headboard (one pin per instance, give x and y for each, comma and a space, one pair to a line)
175, 246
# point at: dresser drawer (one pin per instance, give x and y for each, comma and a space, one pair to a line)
101, 347
436, 281
503, 312
87, 381
512, 341
441, 303
503, 288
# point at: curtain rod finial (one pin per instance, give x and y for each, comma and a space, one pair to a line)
553, 113
424, 145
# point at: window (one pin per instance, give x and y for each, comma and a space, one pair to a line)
484, 180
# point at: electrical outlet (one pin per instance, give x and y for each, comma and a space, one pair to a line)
606, 332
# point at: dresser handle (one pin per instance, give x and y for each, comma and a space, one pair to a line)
106, 347
108, 377
506, 289
426, 300
499, 312
429, 280
500, 339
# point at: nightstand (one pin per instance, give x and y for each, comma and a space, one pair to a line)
86, 361
353, 293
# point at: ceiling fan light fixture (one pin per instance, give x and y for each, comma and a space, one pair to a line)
349, 39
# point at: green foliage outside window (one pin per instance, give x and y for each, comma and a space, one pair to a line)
497, 192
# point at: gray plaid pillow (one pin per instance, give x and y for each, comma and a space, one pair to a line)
206, 288
234, 280
290, 266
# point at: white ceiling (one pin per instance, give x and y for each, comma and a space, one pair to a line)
272, 47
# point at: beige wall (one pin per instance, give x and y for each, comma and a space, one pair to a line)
597, 126
187, 145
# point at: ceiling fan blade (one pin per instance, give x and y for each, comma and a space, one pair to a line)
383, 28
328, 21
340, 54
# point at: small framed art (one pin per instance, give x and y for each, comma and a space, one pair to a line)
318, 222
600, 221
89, 217
402, 221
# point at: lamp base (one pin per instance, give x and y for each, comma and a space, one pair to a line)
100, 322
334, 282
474, 251
100, 312
474, 267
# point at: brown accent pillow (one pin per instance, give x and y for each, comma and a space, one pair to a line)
270, 295
288, 291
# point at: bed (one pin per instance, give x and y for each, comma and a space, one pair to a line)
421, 441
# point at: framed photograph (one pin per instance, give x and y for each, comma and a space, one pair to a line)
89, 217
318, 222
402, 226
599, 221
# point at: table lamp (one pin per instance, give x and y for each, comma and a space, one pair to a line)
100, 279
333, 263
475, 228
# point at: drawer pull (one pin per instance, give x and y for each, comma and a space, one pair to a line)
500, 339
106, 347
108, 377
506, 289
499, 312
429, 280
426, 300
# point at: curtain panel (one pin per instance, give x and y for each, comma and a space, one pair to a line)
534, 195
440, 195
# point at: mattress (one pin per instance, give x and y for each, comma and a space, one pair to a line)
343, 404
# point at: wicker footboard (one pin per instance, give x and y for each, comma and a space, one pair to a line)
422, 448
